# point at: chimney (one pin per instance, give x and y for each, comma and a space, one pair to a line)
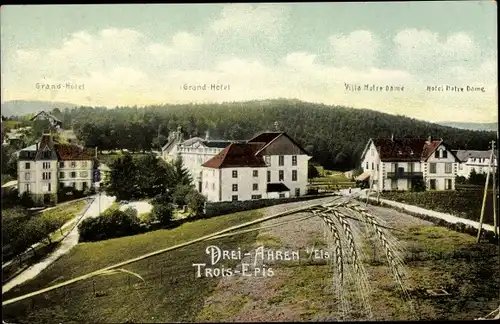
429, 139
392, 137
207, 135
276, 125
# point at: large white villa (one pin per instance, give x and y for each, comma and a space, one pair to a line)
398, 163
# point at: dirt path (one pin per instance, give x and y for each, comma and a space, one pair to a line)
66, 245
289, 295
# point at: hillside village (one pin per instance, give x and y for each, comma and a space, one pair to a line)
128, 194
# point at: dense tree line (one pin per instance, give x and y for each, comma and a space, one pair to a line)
335, 136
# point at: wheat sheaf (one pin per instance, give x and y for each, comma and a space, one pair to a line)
346, 252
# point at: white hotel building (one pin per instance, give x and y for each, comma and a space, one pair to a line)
45, 167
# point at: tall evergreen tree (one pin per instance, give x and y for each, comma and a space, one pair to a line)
181, 175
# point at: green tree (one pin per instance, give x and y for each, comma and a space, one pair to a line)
122, 181
312, 172
163, 213
180, 173
154, 176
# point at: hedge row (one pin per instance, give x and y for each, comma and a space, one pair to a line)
457, 227
229, 207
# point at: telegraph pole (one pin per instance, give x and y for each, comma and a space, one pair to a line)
486, 194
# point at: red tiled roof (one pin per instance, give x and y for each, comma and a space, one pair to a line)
405, 149
71, 152
237, 155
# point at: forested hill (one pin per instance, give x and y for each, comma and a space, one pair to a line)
336, 136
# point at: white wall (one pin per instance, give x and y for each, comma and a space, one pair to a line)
245, 183
211, 184
440, 174
83, 174
301, 168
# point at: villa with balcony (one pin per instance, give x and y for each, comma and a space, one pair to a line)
398, 164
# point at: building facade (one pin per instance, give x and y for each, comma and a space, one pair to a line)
400, 164
270, 165
48, 166
478, 161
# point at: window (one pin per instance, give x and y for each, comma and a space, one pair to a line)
27, 165
432, 184
436, 154
460, 166
366, 166
373, 166
73, 184
268, 176
432, 167
267, 159
84, 185
297, 192
206, 184
411, 167
84, 174
281, 175
255, 186
61, 175
46, 176
448, 184
49, 187
61, 164
27, 176
73, 174
377, 167
255, 173
235, 173
256, 196
61, 184
281, 160
294, 159
27, 187
445, 154
73, 164
294, 175
46, 154
448, 167
235, 187
234, 198
46, 165
84, 164
282, 195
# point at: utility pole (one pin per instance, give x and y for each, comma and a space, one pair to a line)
486, 194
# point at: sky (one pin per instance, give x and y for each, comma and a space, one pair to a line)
143, 54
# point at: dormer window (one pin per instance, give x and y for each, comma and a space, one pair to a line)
436, 154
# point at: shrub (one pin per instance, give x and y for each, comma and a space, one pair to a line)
26, 200
195, 201
179, 196
162, 213
111, 224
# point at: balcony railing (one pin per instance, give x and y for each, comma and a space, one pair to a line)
404, 175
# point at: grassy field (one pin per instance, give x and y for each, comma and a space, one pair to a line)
62, 214
461, 203
330, 180
170, 293
436, 258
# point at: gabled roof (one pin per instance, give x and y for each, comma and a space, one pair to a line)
237, 155
277, 187
71, 152
405, 149
46, 115
269, 137
464, 155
